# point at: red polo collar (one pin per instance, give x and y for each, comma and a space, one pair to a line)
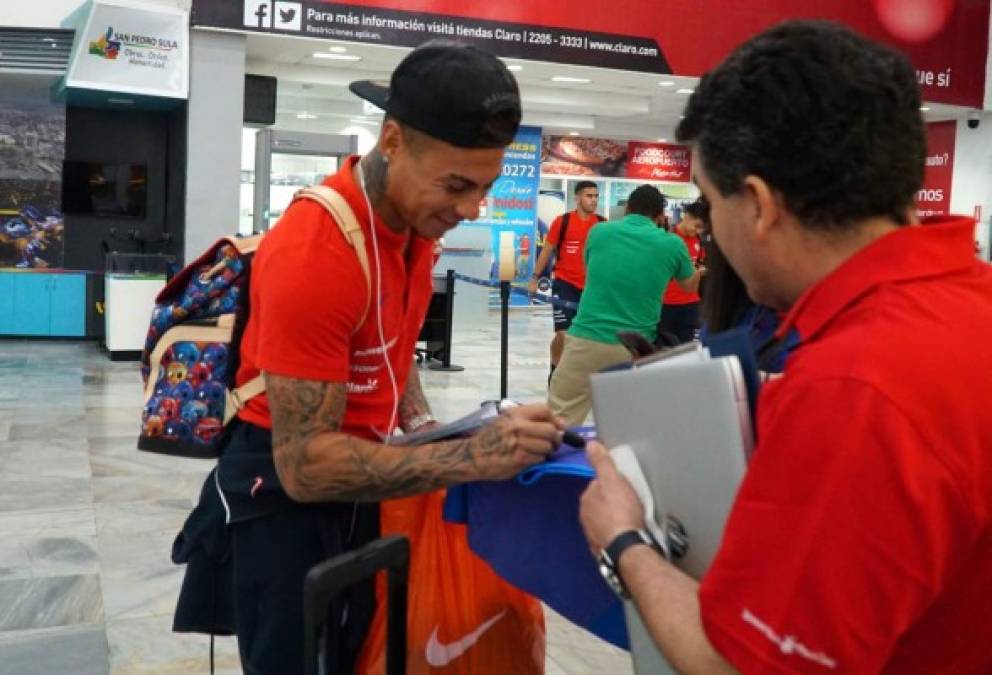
941, 245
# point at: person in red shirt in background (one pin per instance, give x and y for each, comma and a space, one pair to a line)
567, 239
860, 538
679, 309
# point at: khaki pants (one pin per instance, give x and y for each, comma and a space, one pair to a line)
569, 396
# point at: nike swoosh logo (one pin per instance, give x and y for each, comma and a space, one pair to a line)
439, 655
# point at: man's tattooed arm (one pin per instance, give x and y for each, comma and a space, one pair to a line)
317, 462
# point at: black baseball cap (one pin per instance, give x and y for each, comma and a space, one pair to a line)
453, 92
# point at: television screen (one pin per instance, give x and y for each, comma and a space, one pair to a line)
99, 189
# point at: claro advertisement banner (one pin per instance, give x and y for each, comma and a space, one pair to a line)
934, 198
947, 40
132, 49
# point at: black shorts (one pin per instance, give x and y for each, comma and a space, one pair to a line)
562, 290
681, 321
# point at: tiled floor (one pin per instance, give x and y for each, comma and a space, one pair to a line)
87, 522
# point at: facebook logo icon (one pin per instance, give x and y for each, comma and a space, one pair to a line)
258, 13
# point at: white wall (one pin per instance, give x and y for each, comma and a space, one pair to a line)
50, 13
972, 184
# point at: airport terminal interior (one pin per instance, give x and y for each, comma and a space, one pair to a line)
136, 133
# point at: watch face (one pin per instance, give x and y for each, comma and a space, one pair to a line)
612, 579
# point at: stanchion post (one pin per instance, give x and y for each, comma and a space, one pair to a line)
449, 319
504, 309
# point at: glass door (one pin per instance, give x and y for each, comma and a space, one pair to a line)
286, 161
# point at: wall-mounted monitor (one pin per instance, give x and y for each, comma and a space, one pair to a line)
260, 100
104, 189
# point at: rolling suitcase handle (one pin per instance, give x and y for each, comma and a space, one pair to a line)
330, 577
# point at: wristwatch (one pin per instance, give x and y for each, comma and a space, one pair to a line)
609, 559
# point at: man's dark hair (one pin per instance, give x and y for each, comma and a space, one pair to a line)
699, 209
826, 117
646, 200
584, 185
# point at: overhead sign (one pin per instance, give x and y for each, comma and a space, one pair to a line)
934, 198
947, 40
132, 49
602, 157
398, 26
659, 161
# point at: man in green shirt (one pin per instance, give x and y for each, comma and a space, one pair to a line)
629, 263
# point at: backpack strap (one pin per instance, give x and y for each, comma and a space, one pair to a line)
344, 217
236, 398
564, 229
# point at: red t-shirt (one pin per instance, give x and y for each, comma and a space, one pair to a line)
571, 266
674, 295
308, 294
860, 540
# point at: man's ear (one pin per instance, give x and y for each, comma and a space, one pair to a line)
766, 206
391, 139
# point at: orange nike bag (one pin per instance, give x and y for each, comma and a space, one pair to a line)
463, 619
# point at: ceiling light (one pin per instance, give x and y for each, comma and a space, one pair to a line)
573, 80
923, 108
337, 49
573, 133
666, 83
371, 122
336, 57
662, 140
514, 67
306, 116
684, 91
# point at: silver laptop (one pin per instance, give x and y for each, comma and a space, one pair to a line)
688, 426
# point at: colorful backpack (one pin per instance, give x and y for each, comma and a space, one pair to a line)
191, 354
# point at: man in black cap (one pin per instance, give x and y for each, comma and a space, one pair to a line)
308, 461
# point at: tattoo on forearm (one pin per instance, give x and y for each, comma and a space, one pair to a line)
316, 462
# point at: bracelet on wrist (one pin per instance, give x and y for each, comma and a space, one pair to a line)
420, 420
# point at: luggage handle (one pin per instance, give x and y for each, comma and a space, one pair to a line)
327, 579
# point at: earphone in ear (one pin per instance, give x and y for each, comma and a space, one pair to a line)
378, 305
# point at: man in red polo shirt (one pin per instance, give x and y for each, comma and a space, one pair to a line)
307, 461
567, 239
861, 538
680, 308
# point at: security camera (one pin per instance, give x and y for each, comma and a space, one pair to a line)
974, 119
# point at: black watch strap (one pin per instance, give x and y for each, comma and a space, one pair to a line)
622, 542
609, 558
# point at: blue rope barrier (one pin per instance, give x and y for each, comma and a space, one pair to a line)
554, 302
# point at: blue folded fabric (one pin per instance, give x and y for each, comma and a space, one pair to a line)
566, 461
528, 530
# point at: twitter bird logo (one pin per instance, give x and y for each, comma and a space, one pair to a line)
288, 15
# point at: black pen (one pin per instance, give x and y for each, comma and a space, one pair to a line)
567, 437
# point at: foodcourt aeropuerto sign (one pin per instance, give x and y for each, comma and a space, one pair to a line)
133, 49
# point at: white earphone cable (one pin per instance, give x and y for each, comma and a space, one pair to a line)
378, 306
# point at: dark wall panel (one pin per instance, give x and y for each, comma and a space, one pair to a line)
141, 137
